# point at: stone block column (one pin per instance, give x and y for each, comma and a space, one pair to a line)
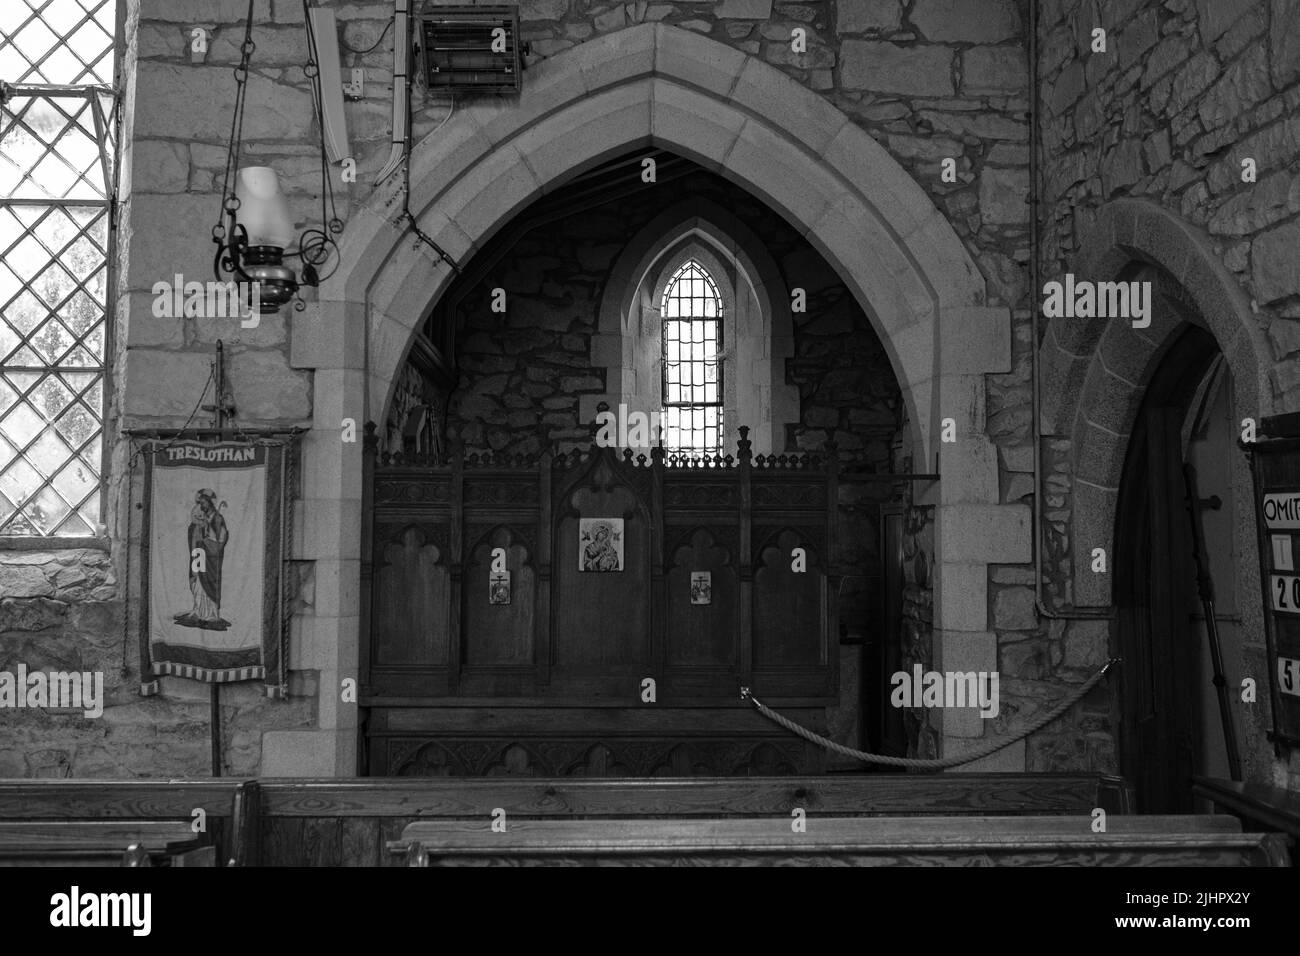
972, 528
329, 339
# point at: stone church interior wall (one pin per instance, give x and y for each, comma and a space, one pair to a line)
1193, 107
930, 80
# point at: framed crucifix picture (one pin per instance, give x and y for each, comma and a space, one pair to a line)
214, 547
499, 587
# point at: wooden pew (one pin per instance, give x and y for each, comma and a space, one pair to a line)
339, 822
245, 825
857, 794
855, 841
106, 823
73, 799
1259, 806
352, 822
101, 843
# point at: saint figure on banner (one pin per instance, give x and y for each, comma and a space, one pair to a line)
208, 534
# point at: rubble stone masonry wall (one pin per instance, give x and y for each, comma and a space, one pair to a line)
930, 80
1184, 93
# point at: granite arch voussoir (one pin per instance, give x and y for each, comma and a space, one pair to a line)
1095, 377
1127, 232
900, 267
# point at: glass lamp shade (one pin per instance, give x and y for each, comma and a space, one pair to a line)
263, 210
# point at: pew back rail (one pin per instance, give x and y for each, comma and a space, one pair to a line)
935, 840
99, 842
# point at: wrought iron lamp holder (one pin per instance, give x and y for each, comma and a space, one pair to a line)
255, 261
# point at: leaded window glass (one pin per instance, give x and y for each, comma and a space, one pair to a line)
692, 366
61, 42
56, 185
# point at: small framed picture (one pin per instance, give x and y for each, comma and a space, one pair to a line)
701, 587
499, 587
600, 544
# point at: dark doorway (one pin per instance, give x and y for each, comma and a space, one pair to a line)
1159, 639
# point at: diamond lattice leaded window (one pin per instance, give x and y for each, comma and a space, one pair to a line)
56, 151
63, 42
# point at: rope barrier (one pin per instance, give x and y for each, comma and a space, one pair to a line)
983, 750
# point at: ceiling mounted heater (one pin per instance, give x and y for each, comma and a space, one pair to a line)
471, 48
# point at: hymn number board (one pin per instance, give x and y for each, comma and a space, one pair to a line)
1276, 467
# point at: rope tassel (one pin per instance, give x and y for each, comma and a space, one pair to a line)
983, 750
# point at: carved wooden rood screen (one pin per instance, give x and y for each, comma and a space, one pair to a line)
457, 682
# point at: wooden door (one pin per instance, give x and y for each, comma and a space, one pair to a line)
1154, 585
1222, 472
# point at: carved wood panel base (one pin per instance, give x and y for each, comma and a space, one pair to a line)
642, 757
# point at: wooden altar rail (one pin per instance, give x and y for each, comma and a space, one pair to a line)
334, 822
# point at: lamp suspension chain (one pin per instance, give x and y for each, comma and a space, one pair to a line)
230, 202
316, 244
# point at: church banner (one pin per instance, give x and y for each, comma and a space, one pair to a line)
212, 603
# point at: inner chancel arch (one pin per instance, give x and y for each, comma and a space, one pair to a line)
741, 370
693, 385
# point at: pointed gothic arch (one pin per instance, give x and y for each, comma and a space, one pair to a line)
1095, 371
660, 85
648, 85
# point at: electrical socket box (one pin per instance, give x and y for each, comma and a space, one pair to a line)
466, 49
355, 88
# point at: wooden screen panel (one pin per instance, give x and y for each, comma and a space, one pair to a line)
412, 593
702, 634
497, 634
788, 608
601, 617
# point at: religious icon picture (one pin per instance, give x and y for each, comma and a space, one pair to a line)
499, 587
701, 587
600, 544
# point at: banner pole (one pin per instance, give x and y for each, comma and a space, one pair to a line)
216, 729
219, 421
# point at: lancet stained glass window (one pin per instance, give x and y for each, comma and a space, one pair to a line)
692, 366
56, 192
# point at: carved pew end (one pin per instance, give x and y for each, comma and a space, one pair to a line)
417, 855
136, 855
